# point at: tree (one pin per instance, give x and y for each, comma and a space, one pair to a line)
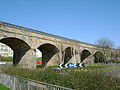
105, 45
119, 52
118, 48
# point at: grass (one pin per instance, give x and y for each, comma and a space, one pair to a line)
92, 77
8, 59
2, 87
91, 67
100, 67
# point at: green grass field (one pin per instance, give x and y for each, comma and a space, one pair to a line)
2, 87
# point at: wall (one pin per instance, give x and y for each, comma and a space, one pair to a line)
17, 83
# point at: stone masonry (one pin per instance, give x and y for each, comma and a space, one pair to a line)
23, 41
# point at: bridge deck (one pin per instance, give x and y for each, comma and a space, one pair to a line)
41, 32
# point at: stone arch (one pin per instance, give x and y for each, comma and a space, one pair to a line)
99, 57
84, 54
48, 51
19, 47
68, 53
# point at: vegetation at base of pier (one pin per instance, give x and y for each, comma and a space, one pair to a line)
2, 87
8, 59
91, 77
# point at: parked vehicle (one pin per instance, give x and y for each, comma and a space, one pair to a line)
3, 63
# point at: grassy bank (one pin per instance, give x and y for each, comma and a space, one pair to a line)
2, 87
88, 78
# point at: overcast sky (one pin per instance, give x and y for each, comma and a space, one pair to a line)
83, 20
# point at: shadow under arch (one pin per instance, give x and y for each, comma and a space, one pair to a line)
18, 46
99, 57
84, 54
48, 51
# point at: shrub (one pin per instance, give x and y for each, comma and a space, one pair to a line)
71, 78
116, 61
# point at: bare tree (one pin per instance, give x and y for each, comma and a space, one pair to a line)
105, 45
119, 52
118, 48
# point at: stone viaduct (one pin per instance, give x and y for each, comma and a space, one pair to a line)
55, 49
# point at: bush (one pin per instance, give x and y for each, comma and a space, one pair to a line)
79, 80
116, 61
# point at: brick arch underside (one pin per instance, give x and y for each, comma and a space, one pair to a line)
85, 54
18, 46
48, 51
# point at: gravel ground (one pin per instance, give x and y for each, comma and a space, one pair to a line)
115, 72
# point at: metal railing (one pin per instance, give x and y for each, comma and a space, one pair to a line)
19, 83
41, 32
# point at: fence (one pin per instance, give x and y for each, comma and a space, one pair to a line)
18, 83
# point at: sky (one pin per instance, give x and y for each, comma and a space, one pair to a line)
83, 20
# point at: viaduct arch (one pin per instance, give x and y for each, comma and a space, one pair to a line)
18, 46
55, 49
48, 51
84, 54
